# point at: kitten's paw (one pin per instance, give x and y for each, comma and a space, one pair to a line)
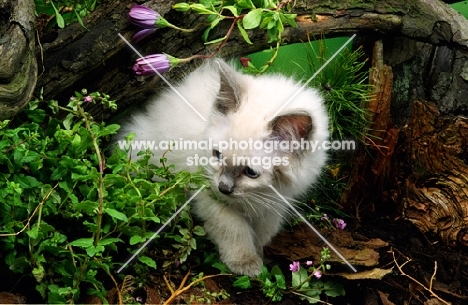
250, 265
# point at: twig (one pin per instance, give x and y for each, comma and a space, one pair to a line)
32, 215
400, 268
182, 289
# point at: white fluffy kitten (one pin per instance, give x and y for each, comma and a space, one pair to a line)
241, 213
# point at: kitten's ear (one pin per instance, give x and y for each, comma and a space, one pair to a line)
230, 89
291, 127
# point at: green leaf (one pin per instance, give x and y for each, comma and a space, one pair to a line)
58, 17
193, 243
87, 206
245, 4
92, 251
216, 40
243, 33
199, 231
38, 273
26, 182
107, 241
212, 25
252, 19
298, 278
116, 214
82, 243
242, 282
67, 122
135, 239
232, 9
333, 289
34, 232
147, 261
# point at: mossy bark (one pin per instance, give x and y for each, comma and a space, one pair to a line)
18, 68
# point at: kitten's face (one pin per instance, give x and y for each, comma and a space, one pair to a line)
240, 172
236, 117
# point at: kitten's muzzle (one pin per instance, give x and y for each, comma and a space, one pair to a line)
225, 189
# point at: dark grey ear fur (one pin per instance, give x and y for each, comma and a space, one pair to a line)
291, 127
230, 89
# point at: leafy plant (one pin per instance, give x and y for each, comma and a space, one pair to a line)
305, 282
267, 15
65, 11
68, 209
343, 85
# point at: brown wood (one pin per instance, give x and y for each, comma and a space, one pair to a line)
18, 68
100, 61
435, 193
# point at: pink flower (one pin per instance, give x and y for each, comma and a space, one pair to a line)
339, 223
324, 217
88, 99
294, 267
309, 263
317, 274
148, 65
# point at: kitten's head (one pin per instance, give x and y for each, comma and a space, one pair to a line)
254, 117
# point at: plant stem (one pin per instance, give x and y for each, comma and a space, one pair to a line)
97, 233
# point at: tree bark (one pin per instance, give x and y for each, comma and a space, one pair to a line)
99, 60
18, 68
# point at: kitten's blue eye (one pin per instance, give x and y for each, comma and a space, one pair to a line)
216, 154
249, 172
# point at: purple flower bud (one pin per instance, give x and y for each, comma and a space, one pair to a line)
324, 217
317, 274
308, 263
88, 99
148, 65
339, 223
143, 17
294, 267
142, 34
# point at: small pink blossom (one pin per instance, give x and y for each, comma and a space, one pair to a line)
88, 99
339, 223
317, 274
309, 263
324, 217
294, 267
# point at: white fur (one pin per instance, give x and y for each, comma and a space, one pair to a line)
243, 222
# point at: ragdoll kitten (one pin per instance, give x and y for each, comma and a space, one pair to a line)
241, 213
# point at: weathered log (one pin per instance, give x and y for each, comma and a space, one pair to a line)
18, 68
372, 164
100, 60
435, 193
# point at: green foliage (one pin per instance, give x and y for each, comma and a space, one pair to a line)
267, 15
305, 282
343, 85
67, 208
65, 11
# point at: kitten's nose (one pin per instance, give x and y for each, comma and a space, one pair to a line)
225, 189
